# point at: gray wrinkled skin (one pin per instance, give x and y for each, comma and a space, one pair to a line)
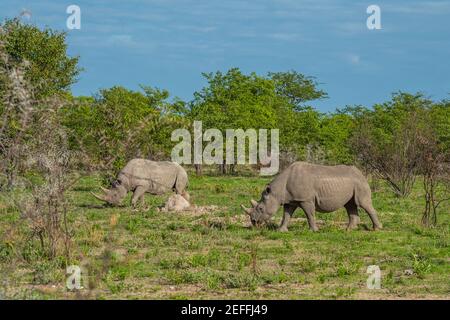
176, 203
142, 176
314, 188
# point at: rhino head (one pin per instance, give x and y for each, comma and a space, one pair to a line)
113, 196
262, 211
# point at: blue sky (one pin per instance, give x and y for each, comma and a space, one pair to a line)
169, 43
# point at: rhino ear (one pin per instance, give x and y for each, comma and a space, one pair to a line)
116, 183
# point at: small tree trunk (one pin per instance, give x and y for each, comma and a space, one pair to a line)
223, 168
198, 169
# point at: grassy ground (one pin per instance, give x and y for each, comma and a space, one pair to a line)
211, 253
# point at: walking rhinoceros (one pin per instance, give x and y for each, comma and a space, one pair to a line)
145, 176
315, 188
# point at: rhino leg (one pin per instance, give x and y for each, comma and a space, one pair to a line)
181, 182
353, 217
309, 208
288, 212
363, 199
367, 206
138, 194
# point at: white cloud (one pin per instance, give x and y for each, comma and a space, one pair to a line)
351, 27
121, 40
196, 29
353, 58
284, 36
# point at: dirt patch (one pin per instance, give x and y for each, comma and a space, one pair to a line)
197, 211
222, 222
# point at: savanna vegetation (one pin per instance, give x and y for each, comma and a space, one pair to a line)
55, 148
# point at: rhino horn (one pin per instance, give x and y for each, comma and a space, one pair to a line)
254, 203
104, 190
247, 211
101, 198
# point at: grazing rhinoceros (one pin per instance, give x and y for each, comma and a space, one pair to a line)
141, 176
315, 188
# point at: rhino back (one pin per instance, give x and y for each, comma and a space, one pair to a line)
329, 185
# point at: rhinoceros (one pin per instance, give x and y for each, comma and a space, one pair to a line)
145, 176
175, 203
314, 188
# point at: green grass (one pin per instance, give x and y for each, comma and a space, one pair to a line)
212, 254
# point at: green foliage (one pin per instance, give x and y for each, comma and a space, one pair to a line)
236, 100
389, 118
391, 139
296, 88
421, 265
299, 129
50, 70
335, 133
440, 122
119, 124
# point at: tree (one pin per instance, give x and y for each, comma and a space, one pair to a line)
119, 124
299, 135
33, 140
236, 100
436, 177
298, 122
334, 134
34, 68
435, 161
50, 69
440, 118
296, 88
386, 139
18, 108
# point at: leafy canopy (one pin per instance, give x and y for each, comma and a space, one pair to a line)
50, 70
